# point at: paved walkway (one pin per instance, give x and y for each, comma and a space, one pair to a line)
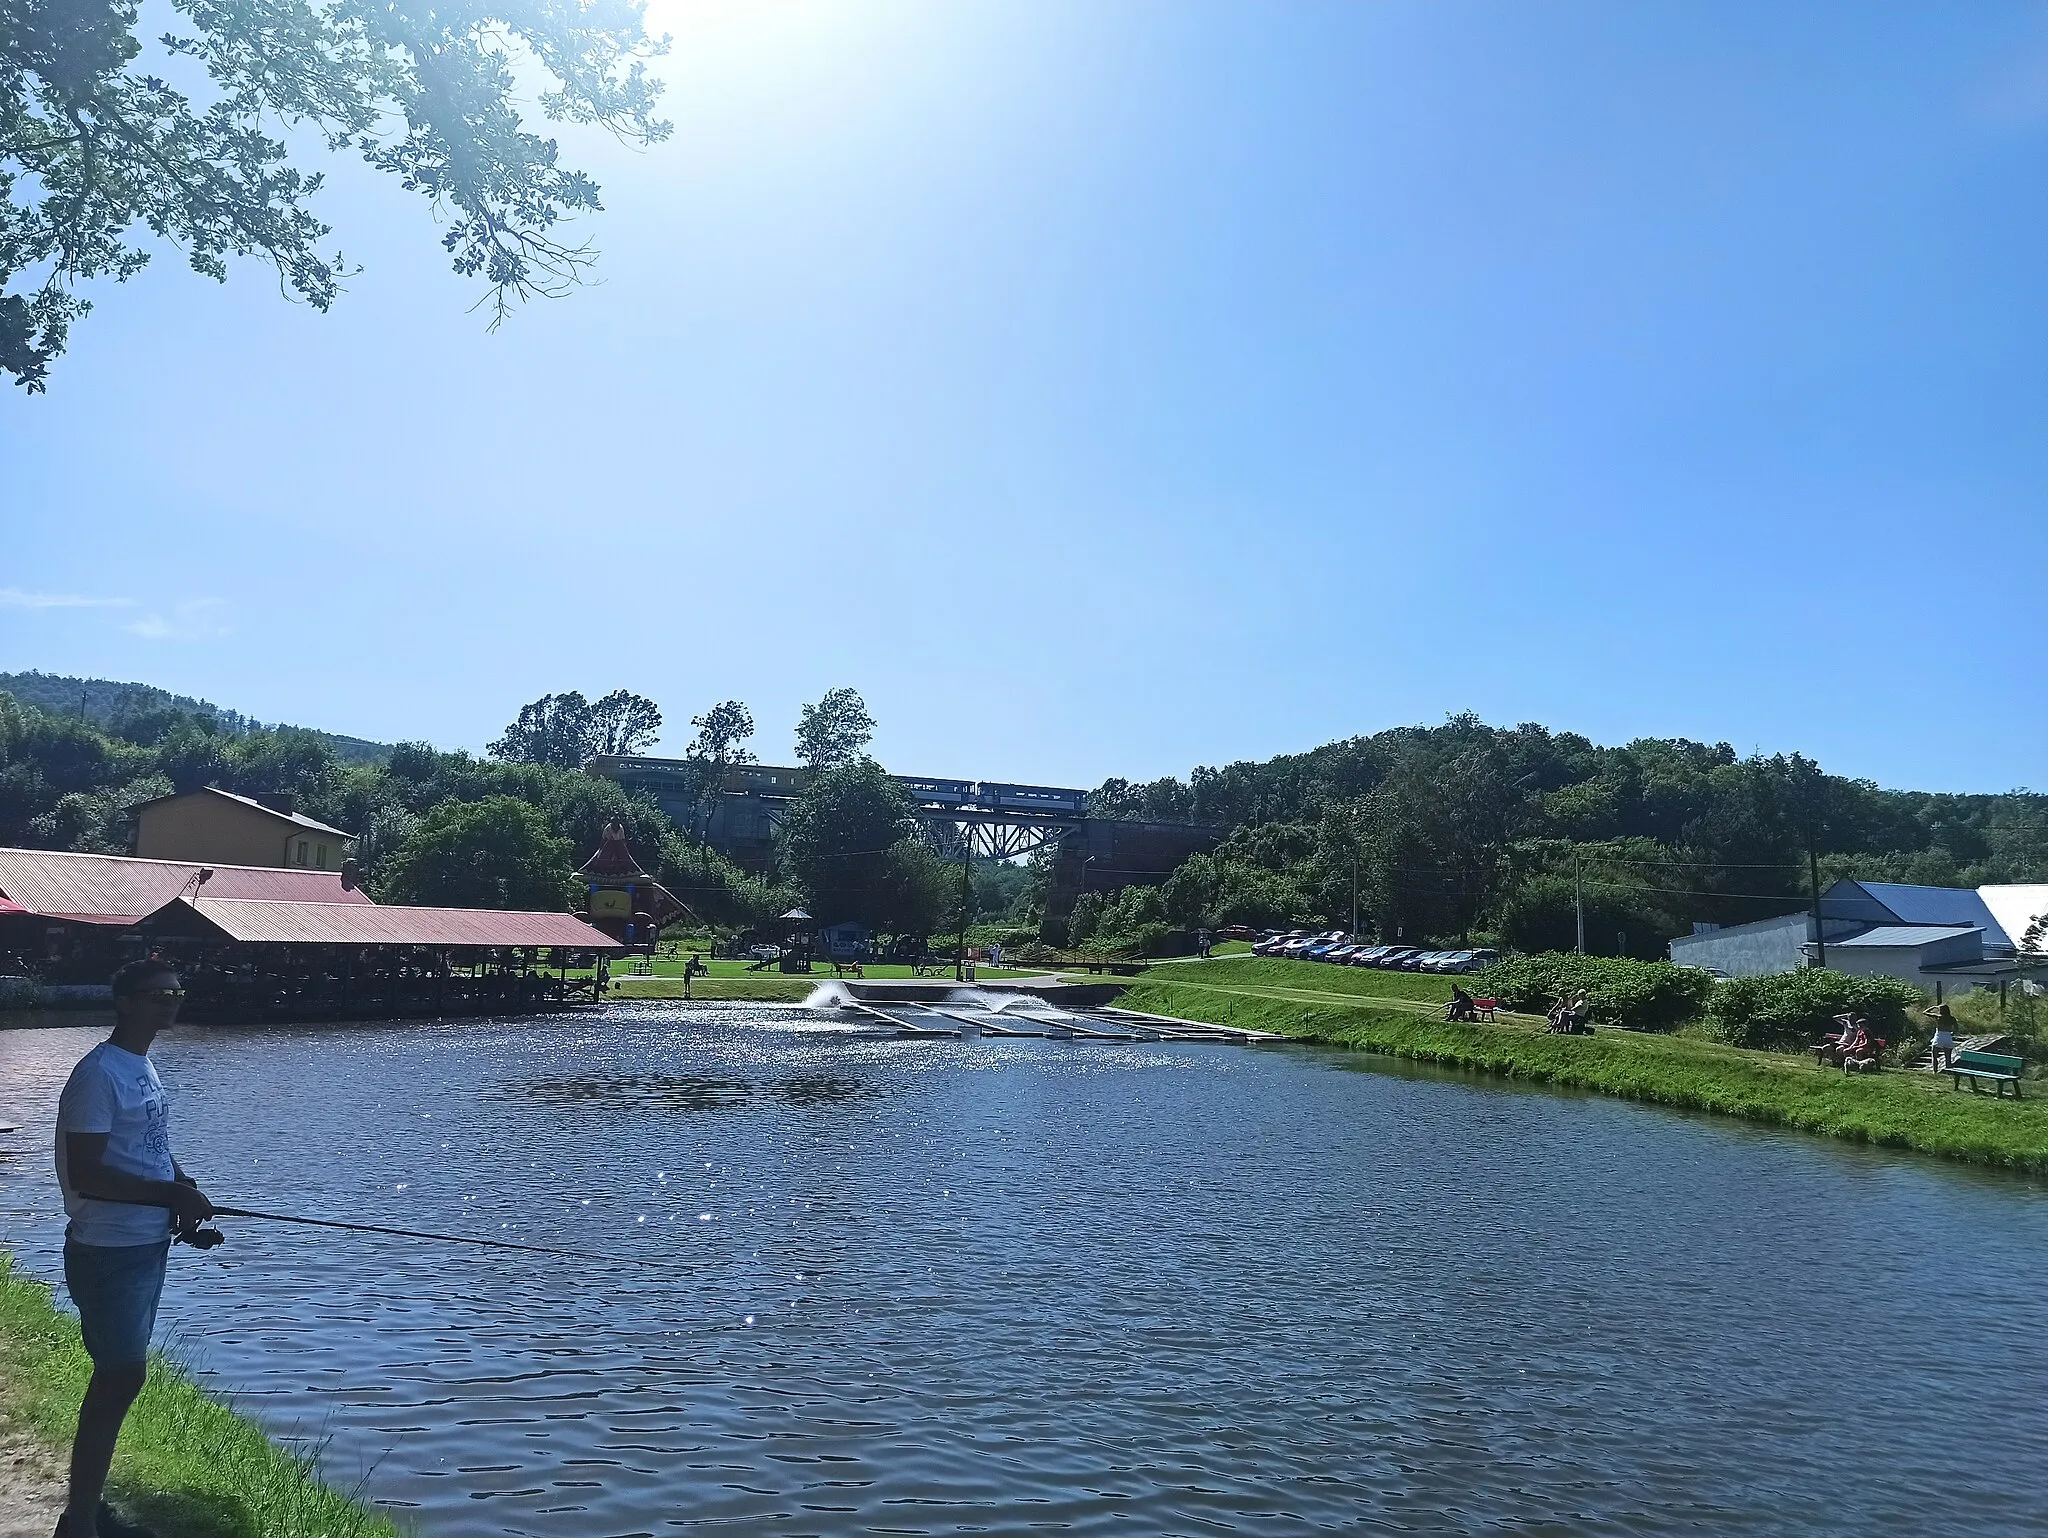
31, 1487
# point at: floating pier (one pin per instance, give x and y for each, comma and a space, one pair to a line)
969, 1013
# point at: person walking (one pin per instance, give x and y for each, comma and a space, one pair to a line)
125, 1195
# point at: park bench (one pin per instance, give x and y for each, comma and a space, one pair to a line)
1996, 1067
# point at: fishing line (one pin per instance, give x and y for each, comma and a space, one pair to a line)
408, 1233
203, 1238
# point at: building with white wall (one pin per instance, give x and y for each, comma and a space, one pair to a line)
1937, 938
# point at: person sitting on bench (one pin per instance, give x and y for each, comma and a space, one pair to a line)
1834, 1046
1569, 1016
1460, 1007
1855, 1050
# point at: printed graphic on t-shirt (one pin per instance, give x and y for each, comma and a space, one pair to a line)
156, 1136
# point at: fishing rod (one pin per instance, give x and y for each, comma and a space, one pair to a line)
200, 1237
378, 1228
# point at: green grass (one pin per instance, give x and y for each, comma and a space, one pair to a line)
766, 987
187, 1465
1320, 978
1895, 1109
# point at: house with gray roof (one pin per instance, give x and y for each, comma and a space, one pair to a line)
1937, 938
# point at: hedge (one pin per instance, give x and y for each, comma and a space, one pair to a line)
1795, 1009
1641, 995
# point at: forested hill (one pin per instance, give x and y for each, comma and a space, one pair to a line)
1473, 828
105, 701
1422, 832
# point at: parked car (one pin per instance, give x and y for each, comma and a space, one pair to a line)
1367, 955
1270, 946
1338, 955
1412, 962
1295, 948
1395, 955
1469, 961
1440, 961
1320, 951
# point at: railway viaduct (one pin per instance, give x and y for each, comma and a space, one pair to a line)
994, 819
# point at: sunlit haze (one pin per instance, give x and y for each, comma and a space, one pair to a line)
1107, 389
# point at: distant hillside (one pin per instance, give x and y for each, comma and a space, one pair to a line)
104, 700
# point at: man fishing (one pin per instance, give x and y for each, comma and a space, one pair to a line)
126, 1196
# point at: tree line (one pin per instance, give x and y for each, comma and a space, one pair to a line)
1425, 833
505, 830
1470, 830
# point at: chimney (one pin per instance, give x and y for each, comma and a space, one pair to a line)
277, 800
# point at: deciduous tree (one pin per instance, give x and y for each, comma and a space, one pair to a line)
554, 729
849, 841
721, 732
97, 140
836, 730
495, 853
623, 722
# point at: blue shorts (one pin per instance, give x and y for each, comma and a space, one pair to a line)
116, 1288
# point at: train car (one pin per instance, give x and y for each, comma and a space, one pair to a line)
1046, 800
765, 780
925, 790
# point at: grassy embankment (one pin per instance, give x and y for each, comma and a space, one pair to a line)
187, 1466
1399, 1014
733, 980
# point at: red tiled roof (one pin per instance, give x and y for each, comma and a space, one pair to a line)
259, 922
117, 889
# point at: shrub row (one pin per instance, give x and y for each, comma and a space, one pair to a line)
1641, 995
1794, 1009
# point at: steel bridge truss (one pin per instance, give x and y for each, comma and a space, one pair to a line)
993, 835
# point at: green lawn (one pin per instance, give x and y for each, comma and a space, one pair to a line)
187, 1466
1319, 977
1896, 1109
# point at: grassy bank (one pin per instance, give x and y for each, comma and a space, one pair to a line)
1898, 1110
737, 980
765, 989
187, 1466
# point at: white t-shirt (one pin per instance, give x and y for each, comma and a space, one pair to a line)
115, 1091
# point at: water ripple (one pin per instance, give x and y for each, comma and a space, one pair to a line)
846, 1285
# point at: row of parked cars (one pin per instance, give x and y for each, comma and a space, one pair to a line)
1340, 949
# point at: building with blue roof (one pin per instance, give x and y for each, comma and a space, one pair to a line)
1937, 938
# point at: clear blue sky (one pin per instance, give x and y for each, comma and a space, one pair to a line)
1106, 389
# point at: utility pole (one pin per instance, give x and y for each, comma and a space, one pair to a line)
966, 896
1820, 944
1354, 894
1579, 895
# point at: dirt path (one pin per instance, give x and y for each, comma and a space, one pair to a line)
31, 1487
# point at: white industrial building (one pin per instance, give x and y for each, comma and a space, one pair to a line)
1937, 938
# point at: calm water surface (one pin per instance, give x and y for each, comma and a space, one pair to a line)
1027, 1286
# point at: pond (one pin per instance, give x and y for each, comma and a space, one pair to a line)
841, 1285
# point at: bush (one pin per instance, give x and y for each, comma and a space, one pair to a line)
1794, 1009
1032, 953
1640, 995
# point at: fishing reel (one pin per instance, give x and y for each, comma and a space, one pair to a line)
199, 1236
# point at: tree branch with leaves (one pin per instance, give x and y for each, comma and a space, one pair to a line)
94, 150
